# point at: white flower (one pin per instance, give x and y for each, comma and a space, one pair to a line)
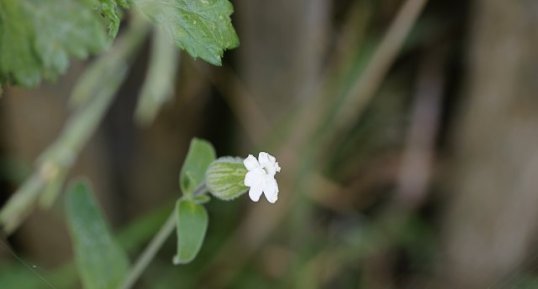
261, 177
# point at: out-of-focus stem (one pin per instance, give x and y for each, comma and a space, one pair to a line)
158, 87
59, 156
376, 70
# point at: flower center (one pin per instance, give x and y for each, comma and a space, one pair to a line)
267, 170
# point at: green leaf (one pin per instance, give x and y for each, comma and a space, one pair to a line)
110, 10
225, 178
192, 222
202, 27
201, 153
101, 263
37, 37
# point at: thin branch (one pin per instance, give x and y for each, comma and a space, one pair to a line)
369, 81
417, 158
94, 99
149, 253
154, 245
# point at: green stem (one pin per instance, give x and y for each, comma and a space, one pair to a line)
153, 247
150, 252
202, 189
99, 86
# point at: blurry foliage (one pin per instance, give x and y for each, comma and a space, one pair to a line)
101, 262
158, 87
23, 274
110, 10
37, 37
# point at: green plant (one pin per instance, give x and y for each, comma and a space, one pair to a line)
100, 261
32, 50
37, 39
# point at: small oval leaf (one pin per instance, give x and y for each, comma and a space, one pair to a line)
225, 178
201, 154
192, 222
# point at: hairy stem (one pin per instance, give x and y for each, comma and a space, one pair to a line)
153, 247
150, 252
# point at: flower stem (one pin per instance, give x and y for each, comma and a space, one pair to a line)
150, 252
154, 245
202, 189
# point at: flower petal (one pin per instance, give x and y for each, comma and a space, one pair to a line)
268, 162
251, 163
271, 190
263, 159
277, 167
254, 193
255, 178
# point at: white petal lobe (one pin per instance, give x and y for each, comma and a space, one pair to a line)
255, 193
263, 159
271, 190
254, 178
251, 163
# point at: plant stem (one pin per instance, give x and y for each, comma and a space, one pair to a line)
202, 189
150, 251
100, 85
154, 246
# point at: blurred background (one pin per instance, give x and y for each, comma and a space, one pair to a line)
407, 133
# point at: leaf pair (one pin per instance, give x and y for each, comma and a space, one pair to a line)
192, 218
201, 171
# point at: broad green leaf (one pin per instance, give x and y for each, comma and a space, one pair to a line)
192, 222
110, 10
101, 263
201, 153
37, 37
202, 27
225, 178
